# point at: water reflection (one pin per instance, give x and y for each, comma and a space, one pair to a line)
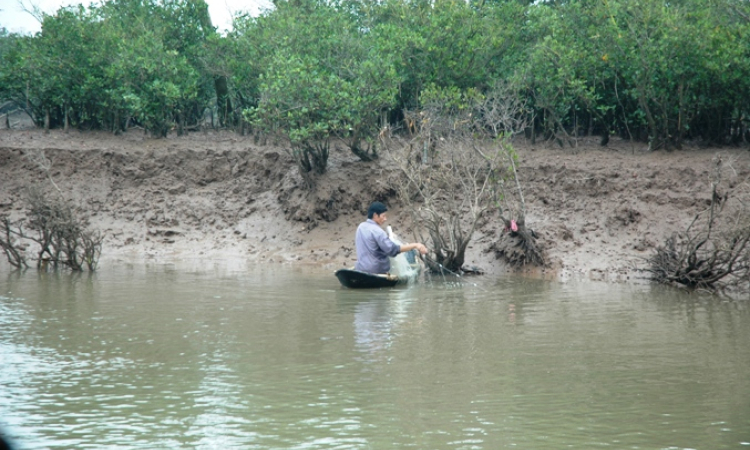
376, 314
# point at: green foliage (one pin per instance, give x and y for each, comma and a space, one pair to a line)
300, 102
641, 67
102, 67
448, 111
446, 43
652, 70
12, 55
323, 78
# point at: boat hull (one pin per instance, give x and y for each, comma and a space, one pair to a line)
355, 279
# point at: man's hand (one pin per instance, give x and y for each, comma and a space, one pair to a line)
415, 246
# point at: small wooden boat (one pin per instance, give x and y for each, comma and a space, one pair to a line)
356, 280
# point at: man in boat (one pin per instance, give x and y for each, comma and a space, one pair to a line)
373, 244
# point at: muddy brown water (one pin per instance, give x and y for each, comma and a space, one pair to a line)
219, 356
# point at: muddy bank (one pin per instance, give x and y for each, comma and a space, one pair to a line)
599, 211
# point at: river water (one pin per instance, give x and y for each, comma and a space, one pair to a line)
197, 356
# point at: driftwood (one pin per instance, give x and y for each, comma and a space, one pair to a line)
10, 245
61, 237
713, 254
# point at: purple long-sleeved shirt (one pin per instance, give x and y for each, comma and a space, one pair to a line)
374, 248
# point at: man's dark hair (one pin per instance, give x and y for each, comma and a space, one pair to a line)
376, 208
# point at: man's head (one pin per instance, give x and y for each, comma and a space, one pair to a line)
376, 212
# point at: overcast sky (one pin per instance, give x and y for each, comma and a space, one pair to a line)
14, 19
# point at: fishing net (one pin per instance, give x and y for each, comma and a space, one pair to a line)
405, 265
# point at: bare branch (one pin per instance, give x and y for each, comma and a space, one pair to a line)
37, 157
33, 10
450, 179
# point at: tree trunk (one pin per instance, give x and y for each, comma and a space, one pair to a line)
680, 114
653, 130
116, 123
223, 102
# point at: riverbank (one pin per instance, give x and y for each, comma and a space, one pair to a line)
599, 211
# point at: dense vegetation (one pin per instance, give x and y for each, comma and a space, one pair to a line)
662, 71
